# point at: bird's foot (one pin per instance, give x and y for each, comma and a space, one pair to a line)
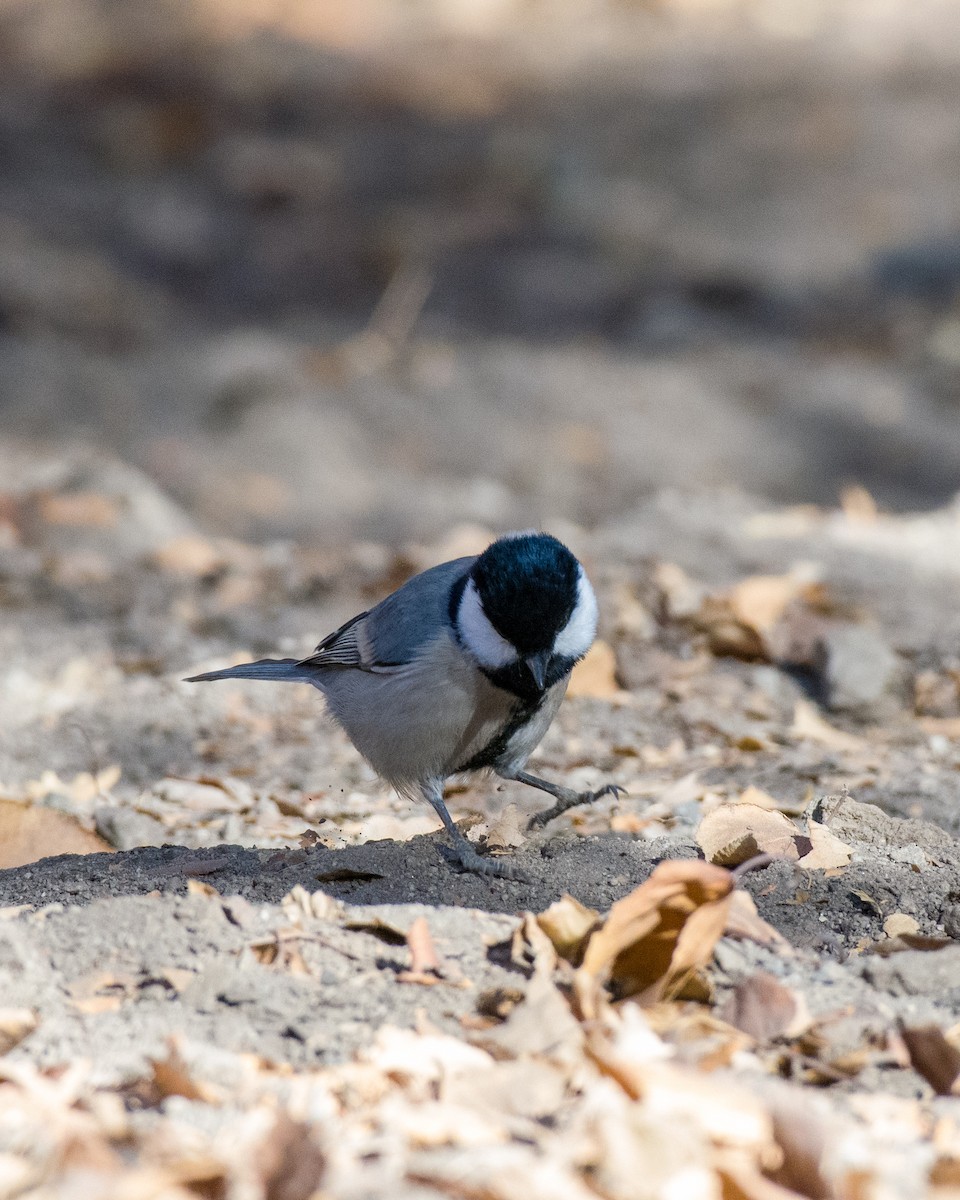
570, 798
461, 854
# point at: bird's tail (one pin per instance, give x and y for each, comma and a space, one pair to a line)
290, 670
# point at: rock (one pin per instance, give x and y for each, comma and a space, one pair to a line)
871, 826
125, 829
858, 668
916, 973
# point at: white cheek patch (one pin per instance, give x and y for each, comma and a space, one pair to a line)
576, 637
479, 636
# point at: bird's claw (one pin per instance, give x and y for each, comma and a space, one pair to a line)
464, 856
571, 799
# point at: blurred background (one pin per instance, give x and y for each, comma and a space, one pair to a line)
368, 268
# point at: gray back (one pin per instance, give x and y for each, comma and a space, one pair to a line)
414, 614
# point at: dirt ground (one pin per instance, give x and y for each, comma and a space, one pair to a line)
292, 306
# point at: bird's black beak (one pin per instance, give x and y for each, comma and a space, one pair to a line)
537, 665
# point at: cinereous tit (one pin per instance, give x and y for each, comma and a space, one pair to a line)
461, 669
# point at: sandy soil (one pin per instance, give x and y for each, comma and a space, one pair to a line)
286, 316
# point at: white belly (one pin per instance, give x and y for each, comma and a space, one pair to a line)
420, 722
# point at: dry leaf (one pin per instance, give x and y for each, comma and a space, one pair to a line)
531, 945
291, 1163
80, 509
197, 888
757, 796
734, 833
933, 1057
899, 923
595, 676
763, 1008
727, 633
568, 924
809, 725
506, 832
745, 923
423, 953
761, 600
105, 992
190, 555
173, 1077
827, 850
655, 938
31, 831
682, 597
15, 1024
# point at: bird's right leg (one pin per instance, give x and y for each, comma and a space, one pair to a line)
461, 852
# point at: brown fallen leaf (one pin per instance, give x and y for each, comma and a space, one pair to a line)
505, 832
595, 676
934, 1057
103, 992
657, 937
728, 635
290, 1161
827, 850
899, 923
189, 555
424, 960
79, 509
763, 1008
740, 1181
15, 1024
681, 597
808, 725
32, 831
746, 924
761, 600
757, 796
743, 622
568, 924
734, 833
173, 1077
196, 887
530, 946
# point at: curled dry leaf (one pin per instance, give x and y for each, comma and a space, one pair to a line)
531, 945
763, 1008
506, 832
657, 937
568, 924
735, 833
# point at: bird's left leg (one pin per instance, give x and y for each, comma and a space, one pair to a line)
565, 797
461, 852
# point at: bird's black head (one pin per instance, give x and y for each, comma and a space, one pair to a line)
528, 589
526, 612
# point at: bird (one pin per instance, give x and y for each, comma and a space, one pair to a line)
461, 669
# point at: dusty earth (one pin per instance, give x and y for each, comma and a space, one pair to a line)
293, 305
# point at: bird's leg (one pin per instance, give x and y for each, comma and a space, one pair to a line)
461, 852
565, 797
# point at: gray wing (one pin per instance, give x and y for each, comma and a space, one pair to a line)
392, 632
